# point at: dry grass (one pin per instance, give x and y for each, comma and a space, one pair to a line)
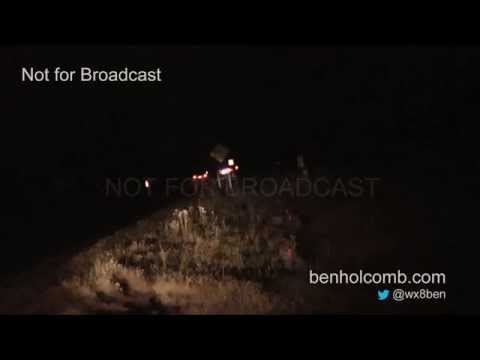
210, 256
214, 255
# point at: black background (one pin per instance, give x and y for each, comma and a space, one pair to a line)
377, 105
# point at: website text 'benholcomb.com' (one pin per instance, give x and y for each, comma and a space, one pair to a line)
368, 278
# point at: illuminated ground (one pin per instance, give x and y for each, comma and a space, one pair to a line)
235, 255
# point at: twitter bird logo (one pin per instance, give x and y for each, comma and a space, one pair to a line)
383, 295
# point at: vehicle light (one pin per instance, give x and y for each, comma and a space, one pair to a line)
236, 167
231, 162
147, 184
225, 171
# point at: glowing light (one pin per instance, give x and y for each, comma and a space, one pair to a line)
225, 171
236, 167
200, 176
231, 162
147, 184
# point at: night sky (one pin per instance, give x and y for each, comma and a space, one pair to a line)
396, 111
346, 105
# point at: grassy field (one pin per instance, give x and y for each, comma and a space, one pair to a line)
242, 254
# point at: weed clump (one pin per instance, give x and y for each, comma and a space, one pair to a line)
211, 256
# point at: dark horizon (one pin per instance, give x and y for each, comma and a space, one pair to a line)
338, 104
